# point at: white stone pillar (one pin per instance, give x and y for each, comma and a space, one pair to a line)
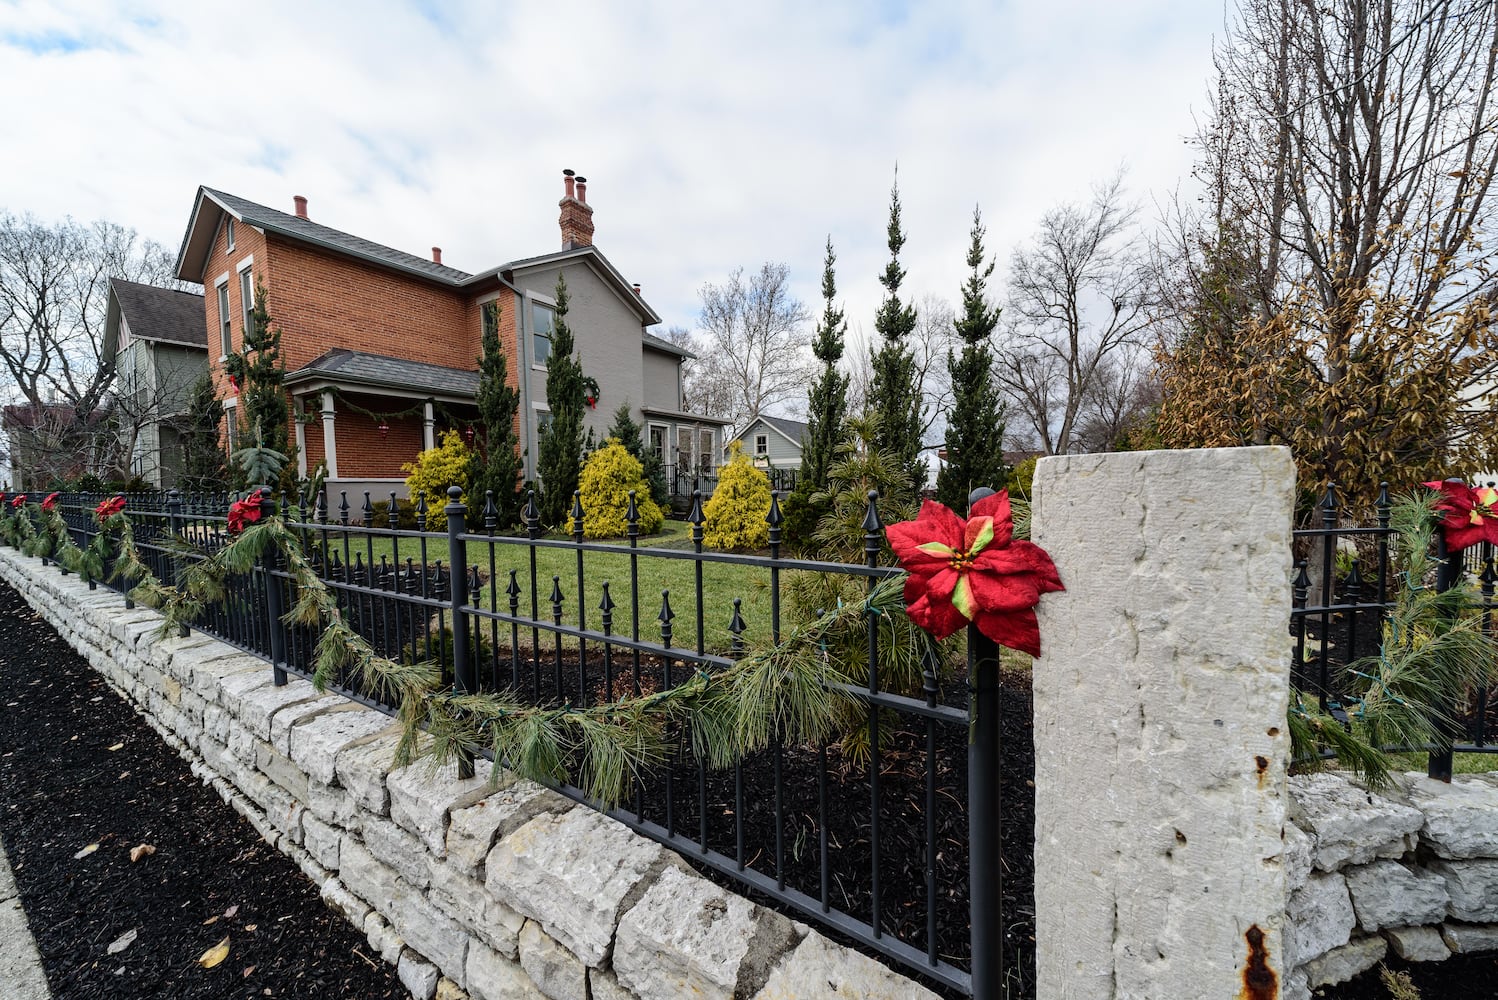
329, 442
428, 427
299, 415
1160, 737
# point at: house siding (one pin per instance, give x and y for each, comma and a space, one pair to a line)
662, 386
782, 454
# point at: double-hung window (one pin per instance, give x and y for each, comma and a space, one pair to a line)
247, 297
761, 444
226, 339
543, 324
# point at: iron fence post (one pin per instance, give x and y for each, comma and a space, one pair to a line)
1449, 572
270, 562
985, 847
464, 675
174, 527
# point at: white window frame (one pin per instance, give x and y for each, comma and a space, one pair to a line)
665, 430
229, 232
761, 446
231, 425
532, 300
246, 291
225, 328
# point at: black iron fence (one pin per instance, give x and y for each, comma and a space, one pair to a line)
891, 840
1345, 583
683, 480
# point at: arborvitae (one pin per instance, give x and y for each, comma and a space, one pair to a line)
627, 433
893, 397
203, 468
498, 466
828, 405
561, 446
975, 425
262, 394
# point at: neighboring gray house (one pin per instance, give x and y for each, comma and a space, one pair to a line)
773, 442
155, 341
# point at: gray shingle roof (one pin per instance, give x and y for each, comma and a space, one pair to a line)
306, 229
793, 429
161, 313
341, 365
659, 343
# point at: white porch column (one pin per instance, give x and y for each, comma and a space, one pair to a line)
1160, 735
299, 412
329, 442
428, 427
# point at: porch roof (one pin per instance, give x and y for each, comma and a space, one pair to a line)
342, 367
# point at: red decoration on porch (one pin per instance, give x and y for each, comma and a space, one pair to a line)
592, 402
109, 508
243, 513
234, 384
469, 434
51, 502
18, 501
1468, 515
973, 570
384, 430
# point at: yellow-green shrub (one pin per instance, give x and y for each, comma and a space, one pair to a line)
737, 509
434, 471
607, 477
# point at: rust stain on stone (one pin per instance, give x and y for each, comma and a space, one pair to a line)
1261, 763
1260, 982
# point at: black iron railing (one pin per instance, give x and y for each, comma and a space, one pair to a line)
1344, 585
860, 842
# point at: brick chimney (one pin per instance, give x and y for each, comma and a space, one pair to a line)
436, 255
577, 215
301, 206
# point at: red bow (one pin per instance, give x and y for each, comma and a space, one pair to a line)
243, 513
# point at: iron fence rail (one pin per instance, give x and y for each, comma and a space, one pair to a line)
782, 823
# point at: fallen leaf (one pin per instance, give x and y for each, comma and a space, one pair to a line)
117, 746
251, 927
229, 913
248, 970
122, 942
211, 921
91, 848
213, 956
141, 851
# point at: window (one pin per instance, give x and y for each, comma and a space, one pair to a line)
658, 441
247, 298
705, 450
229, 233
491, 319
762, 444
231, 425
226, 341
543, 324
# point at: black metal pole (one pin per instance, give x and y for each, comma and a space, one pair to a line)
465, 678
985, 869
270, 563
1449, 572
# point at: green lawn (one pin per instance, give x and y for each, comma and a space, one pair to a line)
1462, 763
721, 583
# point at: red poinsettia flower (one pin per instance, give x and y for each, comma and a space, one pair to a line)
109, 508
973, 570
19, 500
243, 513
1468, 516
234, 384
51, 501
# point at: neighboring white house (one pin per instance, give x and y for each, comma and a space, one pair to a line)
773, 442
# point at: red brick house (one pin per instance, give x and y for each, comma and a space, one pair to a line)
381, 346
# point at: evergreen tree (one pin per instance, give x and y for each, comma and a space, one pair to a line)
262, 397
893, 397
497, 467
627, 433
828, 404
561, 446
202, 453
975, 425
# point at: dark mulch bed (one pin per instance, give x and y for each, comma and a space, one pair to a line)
63, 788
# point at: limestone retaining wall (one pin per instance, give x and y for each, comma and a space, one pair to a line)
1411, 870
470, 889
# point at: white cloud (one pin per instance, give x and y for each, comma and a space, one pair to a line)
713, 136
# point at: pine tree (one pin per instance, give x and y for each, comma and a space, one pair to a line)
262, 396
975, 425
561, 445
627, 433
202, 453
497, 468
893, 397
828, 405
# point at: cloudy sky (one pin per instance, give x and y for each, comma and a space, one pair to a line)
712, 135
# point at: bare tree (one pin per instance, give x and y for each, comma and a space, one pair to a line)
1075, 316
54, 290
753, 352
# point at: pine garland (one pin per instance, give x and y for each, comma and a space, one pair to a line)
1434, 651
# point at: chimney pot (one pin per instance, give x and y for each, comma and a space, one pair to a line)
637, 288
436, 255
568, 190
582, 190
577, 215
301, 206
